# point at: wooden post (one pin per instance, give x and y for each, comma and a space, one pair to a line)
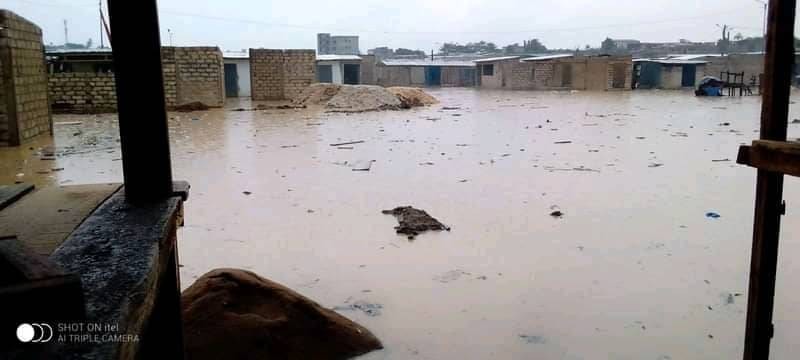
778, 63
143, 128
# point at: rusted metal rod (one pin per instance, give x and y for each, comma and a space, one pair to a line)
778, 64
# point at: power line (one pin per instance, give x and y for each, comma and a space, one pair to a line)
318, 27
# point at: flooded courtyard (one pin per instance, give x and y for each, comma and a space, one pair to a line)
638, 265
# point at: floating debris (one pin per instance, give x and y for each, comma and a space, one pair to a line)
369, 309
712, 215
348, 143
414, 221
533, 339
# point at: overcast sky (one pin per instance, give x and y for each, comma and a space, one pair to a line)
417, 24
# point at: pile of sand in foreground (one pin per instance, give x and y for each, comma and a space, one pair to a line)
360, 98
411, 97
235, 314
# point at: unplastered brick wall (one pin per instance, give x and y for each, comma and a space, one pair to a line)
280, 74
82, 92
26, 111
199, 75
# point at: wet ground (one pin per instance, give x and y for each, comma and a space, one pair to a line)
632, 269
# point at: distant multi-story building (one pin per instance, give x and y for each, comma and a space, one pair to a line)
626, 44
382, 52
337, 45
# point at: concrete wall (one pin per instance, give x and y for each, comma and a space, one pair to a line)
243, 71
336, 70
393, 75
82, 92
26, 111
671, 77
572, 73
368, 65
750, 64
281, 74
190, 74
199, 75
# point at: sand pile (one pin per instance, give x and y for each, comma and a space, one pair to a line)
411, 97
317, 94
360, 98
236, 314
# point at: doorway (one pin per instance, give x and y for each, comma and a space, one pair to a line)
351, 74
231, 80
433, 76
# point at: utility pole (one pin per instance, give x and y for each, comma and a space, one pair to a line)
100, 7
169, 31
66, 34
764, 21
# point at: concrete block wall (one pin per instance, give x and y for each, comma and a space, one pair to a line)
169, 69
26, 113
199, 75
82, 92
280, 74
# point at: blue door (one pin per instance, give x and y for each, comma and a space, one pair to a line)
650, 75
324, 73
433, 76
231, 81
689, 75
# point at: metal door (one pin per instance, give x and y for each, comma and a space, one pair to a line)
689, 74
324, 73
231, 80
433, 76
351, 74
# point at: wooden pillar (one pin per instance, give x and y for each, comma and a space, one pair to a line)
140, 99
778, 63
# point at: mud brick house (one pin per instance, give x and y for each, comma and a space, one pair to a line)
24, 110
82, 81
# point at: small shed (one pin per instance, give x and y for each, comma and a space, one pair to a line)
426, 72
667, 73
237, 73
339, 69
496, 73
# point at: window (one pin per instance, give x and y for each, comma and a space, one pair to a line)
488, 70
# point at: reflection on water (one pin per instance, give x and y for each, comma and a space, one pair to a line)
633, 269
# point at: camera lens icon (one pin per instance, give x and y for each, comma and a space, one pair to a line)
34, 332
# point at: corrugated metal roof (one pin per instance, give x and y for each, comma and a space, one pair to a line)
548, 57
78, 51
236, 54
338, 58
673, 61
427, 62
691, 56
502, 58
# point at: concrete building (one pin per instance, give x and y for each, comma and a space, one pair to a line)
556, 72
83, 81
495, 73
337, 45
24, 108
626, 44
237, 73
280, 74
426, 72
668, 73
339, 69
382, 52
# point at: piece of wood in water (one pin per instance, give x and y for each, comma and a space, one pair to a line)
348, 143
68, 123
363, 165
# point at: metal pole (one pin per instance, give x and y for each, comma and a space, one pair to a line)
778, 63
143, 127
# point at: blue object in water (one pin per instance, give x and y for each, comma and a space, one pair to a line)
713, 90
712, 215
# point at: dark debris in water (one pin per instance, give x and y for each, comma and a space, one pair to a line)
414, 221
367, 308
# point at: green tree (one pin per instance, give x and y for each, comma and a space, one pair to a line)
608, 45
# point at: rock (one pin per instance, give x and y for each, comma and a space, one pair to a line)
557, 214
235, 314
414, 221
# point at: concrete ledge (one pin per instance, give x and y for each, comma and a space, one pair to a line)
122, 253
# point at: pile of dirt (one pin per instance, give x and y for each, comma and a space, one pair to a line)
414, 221
317, 94
360, 98
192, 106
235, 314
410, 97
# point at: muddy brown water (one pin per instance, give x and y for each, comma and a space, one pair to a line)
632, 270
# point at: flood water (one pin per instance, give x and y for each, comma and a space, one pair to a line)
633, 270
